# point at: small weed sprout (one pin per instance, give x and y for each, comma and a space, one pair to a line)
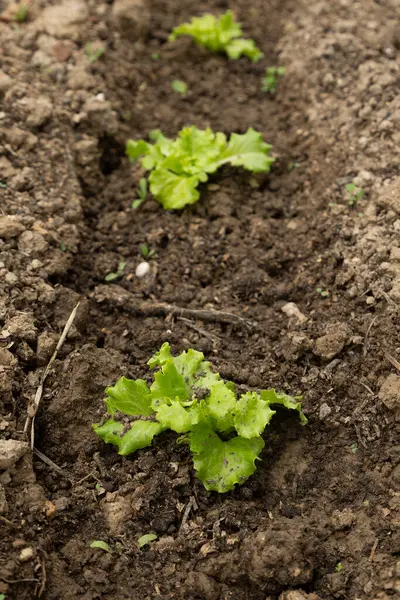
94, 52
322, 292
270, 80
179, 87
142, 193
21, 14
144, 540
101, 545
118, 273
354, 194
146, 252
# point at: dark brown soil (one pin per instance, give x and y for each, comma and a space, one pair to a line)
320, 518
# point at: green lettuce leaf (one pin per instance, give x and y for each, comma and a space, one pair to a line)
237, 48
221, 406
139, 436
128, 396
252, 415
160, 357
174, 416
136, 149
206, 378
169, 383
218, 35
191, 365
289, 402
110, 432
220, 465
228, 29
174, 191
249, 151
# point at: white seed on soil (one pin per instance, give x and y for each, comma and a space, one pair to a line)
142, 269
26, 554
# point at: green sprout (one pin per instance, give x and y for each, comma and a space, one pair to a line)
142, 193
146, 539
293, 165
102, 545
155, 56
221, 34
146, 252
179, 87
177, 167
354, 194
117, 274
339, 567
322, 292
222, 430
94, 53
270, 81
21, 14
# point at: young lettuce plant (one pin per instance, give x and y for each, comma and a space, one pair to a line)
221, 34
177, 167
222, 430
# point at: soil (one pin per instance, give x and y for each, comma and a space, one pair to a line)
317, 277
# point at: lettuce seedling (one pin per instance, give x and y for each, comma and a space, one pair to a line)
186, 396
221, 34
177, 167
179, 87
270, 81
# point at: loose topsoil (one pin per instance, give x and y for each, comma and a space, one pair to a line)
320, 517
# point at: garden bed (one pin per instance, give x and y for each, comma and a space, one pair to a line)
320, 517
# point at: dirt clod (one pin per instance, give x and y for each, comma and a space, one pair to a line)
22, 327
62, 20
10, 227
131, 18
333, 342
11, 451
389, 394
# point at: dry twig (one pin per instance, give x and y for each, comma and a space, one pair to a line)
373, 550
393, 361
118, 296
50, 463
191, 504
210, 336
30, 420
9, 523
365, 348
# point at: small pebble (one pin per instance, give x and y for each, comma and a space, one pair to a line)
292, 310
324, 411
142, 269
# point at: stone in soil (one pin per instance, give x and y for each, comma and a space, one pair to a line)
11, 451
389, 394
